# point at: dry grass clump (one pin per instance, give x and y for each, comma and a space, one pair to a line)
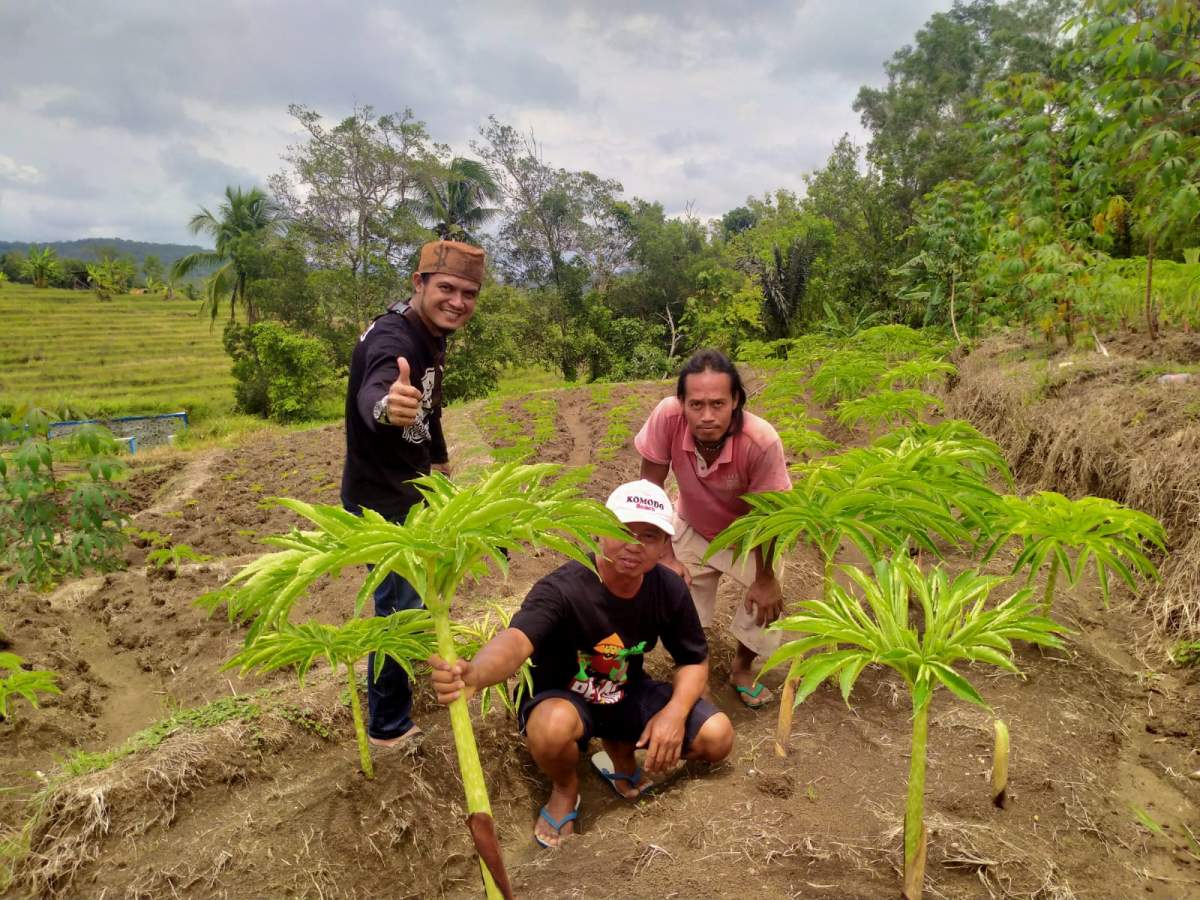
75, 816
1099, 426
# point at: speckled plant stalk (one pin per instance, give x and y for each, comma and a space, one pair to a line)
914, 810
360, 730
787, 699
1051, 583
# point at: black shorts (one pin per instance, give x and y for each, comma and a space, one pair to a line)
624, 721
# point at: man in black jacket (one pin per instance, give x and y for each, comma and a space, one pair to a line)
394, 433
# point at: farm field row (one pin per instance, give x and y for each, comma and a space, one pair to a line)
126, 356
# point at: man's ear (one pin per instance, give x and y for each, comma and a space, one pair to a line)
417, 282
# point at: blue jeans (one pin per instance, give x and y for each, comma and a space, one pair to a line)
389, 697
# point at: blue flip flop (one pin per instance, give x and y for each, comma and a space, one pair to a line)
556, 824
604, 767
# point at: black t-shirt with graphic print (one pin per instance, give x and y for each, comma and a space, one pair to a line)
591, 642
380, 459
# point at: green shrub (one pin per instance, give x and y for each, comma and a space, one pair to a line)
279, 373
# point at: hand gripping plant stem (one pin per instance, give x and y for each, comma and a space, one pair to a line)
845, 634
448, 538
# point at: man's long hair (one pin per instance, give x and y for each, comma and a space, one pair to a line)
709, 360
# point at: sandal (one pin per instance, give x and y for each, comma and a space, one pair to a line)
556, 824
604, 767
756, 697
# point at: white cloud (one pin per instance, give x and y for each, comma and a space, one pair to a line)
17, 173
130, 118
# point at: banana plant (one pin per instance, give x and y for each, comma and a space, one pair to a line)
1051, 526
451, 537
406, 636
23, 683
846, 633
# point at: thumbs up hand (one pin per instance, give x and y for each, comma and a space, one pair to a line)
403, 400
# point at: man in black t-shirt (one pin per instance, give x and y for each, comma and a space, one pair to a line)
394, 434
587, 637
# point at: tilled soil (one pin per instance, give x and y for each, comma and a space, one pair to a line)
272, 805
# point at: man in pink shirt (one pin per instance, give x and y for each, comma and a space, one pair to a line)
718, 452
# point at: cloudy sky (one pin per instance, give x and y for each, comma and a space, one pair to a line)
118, 118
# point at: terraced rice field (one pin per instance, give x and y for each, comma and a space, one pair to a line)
126, 356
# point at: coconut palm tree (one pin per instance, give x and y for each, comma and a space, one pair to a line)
453, 200
242, 222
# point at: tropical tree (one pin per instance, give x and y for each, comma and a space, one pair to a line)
1050, 526
41, 266
442, 542
453, 199
846, 633
1144, 54
242, 223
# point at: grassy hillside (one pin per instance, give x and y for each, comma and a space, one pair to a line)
127, 356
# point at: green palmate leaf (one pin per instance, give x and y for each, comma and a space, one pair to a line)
16, 682
886, 407
448, 538
1115, 538
406, 637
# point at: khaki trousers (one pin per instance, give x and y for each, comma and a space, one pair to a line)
689, 546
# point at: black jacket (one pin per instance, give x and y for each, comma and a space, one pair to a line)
380, 459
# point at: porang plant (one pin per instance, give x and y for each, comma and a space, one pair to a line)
451, 537
886, 407
1050, 527
870, 624
877, 500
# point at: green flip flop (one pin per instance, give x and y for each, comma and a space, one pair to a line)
755, 697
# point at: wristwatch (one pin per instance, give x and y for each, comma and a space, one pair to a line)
379, 411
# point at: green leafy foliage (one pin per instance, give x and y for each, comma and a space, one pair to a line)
23, 684
54, 523
280, 374
847, 375
174, 556
916, 372
470, 637
1050, 527
886, 408
872, 624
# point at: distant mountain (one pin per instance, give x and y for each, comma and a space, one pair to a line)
92, 249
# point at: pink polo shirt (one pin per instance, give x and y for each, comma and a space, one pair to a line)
710, 497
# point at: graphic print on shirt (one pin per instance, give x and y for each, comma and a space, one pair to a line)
418, 431
603, 672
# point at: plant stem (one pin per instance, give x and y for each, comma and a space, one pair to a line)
914, 811
464, 743
1051, 582
360, 730
783, 727
1000, 764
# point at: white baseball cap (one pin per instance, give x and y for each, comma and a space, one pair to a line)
642, 501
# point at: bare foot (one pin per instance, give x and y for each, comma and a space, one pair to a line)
559, 806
